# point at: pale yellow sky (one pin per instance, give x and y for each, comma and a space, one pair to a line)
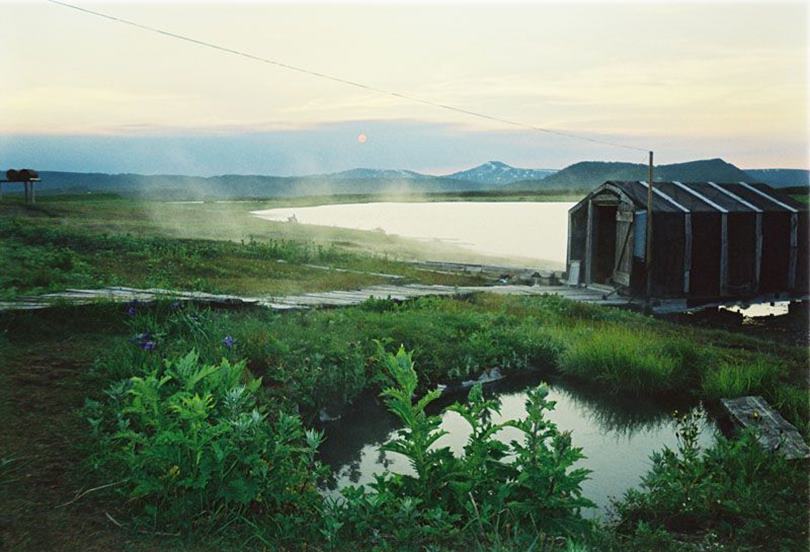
649, 75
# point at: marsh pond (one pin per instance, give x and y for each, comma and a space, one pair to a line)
617, 434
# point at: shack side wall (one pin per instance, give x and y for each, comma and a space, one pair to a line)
775, 251
668, 253
742, 251
706, 255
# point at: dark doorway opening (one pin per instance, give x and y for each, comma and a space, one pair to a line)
604, 255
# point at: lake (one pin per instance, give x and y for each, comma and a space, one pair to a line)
617, 435
529, 231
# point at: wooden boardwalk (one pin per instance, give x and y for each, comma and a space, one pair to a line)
774, 433
323, 299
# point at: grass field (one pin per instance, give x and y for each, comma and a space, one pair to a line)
113, 473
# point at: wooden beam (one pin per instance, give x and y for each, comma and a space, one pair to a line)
773, 432
568, 250
758, 250
648, 255
687, 252
589, 243
723, 254
794, 249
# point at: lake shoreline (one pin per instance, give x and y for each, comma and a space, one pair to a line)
531, 233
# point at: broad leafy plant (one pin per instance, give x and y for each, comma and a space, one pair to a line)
192, 447
493, 493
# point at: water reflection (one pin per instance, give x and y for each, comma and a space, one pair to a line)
617, 434
530, 230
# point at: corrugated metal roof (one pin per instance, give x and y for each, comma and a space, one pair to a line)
705, 197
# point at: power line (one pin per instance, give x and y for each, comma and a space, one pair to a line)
348, 82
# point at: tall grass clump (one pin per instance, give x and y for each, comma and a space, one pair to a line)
629, 359
190, 448
735, 379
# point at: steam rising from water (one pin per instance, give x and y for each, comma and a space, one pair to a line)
532, 232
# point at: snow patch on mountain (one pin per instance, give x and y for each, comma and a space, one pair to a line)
498, 172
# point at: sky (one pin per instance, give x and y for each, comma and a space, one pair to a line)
688, 80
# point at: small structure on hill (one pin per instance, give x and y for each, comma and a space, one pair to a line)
26, 177
710, 240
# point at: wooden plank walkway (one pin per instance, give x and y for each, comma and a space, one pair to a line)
343, 298
774, 433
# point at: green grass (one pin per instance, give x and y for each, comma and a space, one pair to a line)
70, 243
51, 361
325, 358
624, 358
229, 221
734, 380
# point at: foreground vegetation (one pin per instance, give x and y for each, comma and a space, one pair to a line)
173, 427
178, 422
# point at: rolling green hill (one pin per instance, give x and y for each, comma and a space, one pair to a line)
781, 178
589, 174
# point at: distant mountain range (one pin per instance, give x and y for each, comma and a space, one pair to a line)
490, 176
364, 174
491, 173
498, 173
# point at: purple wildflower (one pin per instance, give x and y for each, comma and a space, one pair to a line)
148, 345
175, 305
228, 341
132, 308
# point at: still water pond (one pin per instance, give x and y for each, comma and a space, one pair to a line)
531, 230
617, 435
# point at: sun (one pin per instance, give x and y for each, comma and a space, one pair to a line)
362, 138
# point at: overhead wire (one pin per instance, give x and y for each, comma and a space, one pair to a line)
348, 82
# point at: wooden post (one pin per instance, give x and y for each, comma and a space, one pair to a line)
648, 254
589, 244
758, 248
723, 254
794, 249
687, 252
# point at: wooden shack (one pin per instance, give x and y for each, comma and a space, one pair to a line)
710, 240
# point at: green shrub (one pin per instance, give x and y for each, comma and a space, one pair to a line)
734, 490
192, 448
495, 492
